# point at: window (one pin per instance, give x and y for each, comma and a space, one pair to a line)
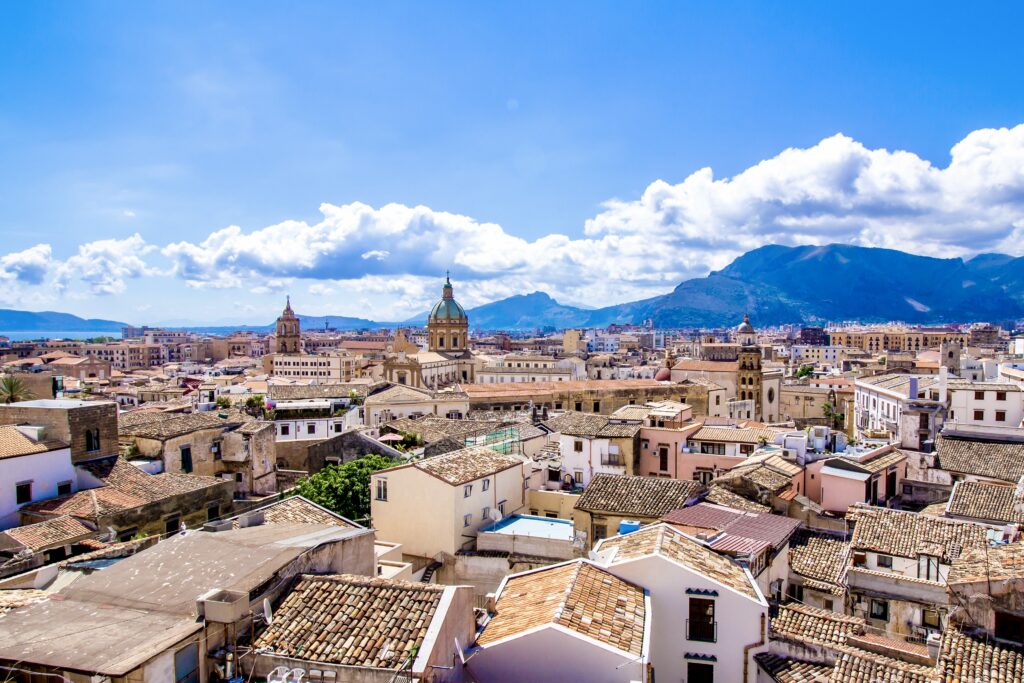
828, 604
597, 406
172, 524
979, 414
1000, 395
885, 561
212, 512
486, 484
127, 534
23, 492
467, 490
930, 618
701, 624
578, 476
381, 490
700, 672
796, 592
186, 664
579, 406
1000, 416
501, 507
186, 459
285, 430
64, 488
704, 475
880, 610
928, 567
979, 395
467, 520
600, 531
718, 399
577, 446
311, 428
215, 449
485, 513
92, 440
337, 427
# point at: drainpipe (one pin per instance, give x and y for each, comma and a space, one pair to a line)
747, 648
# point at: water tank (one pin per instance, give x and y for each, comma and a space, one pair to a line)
628, 526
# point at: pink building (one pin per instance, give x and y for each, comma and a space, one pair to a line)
873, 477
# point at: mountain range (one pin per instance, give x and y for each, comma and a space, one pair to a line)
773, 284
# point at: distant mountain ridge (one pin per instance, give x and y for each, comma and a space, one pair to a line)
774, 284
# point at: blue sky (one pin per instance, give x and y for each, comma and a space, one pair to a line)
531, 137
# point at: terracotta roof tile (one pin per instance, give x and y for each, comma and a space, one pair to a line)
998, 460
49, 533
645, 497
986, 501
810, 624
964, 659
821, 559
352, 620
576, 595
719, 495
908, 534
785, 670
13, 443
666, 541
465, 465
299, 510
994, 563
860, 666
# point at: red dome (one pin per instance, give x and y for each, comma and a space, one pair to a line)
663, 375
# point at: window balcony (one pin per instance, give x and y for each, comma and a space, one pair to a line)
702, 630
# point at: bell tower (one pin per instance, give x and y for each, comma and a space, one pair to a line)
287, 333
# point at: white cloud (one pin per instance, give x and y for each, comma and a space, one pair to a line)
394, 256
104, 265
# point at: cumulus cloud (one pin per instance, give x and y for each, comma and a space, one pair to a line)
835, 191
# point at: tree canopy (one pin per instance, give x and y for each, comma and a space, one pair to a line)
344, 489
13, 390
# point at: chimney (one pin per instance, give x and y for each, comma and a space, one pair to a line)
943, 383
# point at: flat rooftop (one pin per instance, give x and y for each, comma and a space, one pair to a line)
538, 527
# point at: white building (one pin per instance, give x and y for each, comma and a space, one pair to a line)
709, 617
331, 366
525, 368
31, 469
572, 621
880, 401
985, 404
319, 418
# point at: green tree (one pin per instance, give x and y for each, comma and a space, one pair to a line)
344, 489
254, 404
223, 402
13, 390
804, 371
834, 417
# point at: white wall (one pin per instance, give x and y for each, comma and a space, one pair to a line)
44, 470
738, 619
550, 655
963, 404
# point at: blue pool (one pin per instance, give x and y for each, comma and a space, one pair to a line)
538, 527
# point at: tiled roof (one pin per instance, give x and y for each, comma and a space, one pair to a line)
666, 541
964, 384
572, 423
49, 533
632, 413
810, 624
861, 666
899, 383
296, 392
126, 487
877, 463
760, 474
771, 529
719, 495
964, 659
614, 430
751, 435
986, 501
576, 595
171, 425
785, 670
299, 510
433, 429
998, 460
13, 599
820, 558
352, 620
13, 443
691, 365
994, 563
645, 497
908, 534
466, 464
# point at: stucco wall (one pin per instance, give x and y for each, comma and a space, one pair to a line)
44, 470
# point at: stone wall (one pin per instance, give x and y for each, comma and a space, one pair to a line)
70, 425
313, 455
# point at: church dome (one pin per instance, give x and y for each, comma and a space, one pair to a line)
745, 327
447, 309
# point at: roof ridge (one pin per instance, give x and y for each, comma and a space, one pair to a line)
570, 587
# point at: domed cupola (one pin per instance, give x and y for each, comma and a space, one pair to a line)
448, 324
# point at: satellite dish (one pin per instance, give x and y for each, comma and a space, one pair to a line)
268, 614
495, 514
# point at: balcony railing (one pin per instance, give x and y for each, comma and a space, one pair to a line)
702, 630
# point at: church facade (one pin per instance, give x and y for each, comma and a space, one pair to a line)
447, 360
